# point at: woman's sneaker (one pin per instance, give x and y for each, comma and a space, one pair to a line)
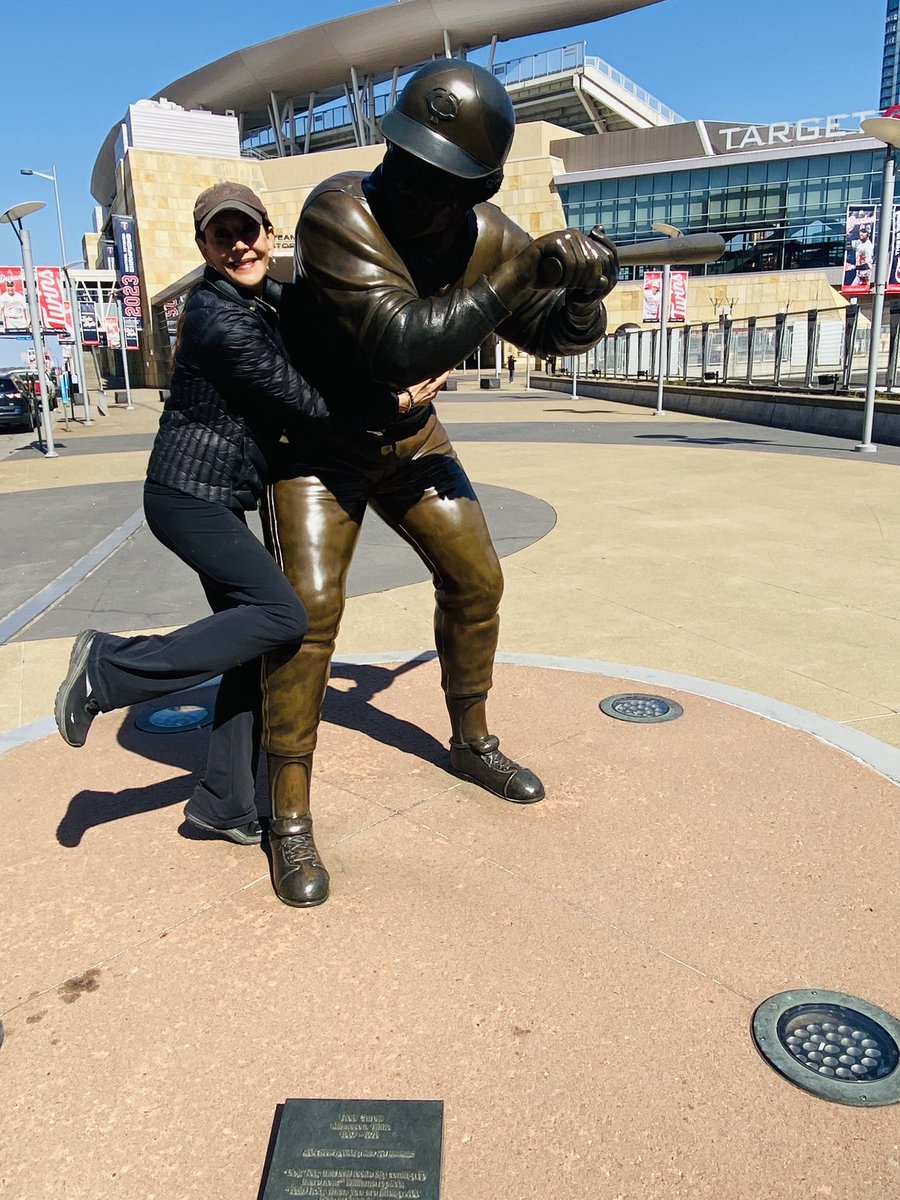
75, 708
245, 835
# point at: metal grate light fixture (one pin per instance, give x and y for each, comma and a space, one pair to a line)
835, 1046
176, 719
641, 709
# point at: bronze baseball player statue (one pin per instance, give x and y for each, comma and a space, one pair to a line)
404, 273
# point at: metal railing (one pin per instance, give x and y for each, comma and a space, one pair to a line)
514, 70
818, 350
567, 58
635, 89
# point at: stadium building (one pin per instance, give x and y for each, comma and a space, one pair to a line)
890, 65
591, 147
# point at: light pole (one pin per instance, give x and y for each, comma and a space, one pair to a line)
887, 130
70, 291
14, 216
59, 220
669, 231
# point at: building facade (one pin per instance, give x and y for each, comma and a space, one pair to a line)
778, 194
890, 66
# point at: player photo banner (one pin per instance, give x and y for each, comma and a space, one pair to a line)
13, 304
56, 316
126, 255
859, 252
653, 296
893, 280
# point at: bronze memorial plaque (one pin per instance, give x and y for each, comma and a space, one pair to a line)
357, 1150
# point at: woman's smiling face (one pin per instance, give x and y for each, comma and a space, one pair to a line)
239, 248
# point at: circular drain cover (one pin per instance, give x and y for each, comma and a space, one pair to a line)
835, 1046
176, 719
645, 710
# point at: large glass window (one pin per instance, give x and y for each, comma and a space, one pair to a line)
773, 214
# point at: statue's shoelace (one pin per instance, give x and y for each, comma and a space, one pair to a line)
300, 849
498, 761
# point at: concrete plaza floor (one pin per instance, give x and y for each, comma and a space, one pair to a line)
575, 979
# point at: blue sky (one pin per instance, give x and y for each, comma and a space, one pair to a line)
74, 68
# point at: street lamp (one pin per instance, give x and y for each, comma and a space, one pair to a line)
887, 130
70, 291
14, 216
669, 231
59, 220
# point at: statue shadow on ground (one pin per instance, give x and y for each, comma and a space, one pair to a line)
582, 412
706, 441
350, 709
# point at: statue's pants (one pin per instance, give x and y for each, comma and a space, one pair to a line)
419, 488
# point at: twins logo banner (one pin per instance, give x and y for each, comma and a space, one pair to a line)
678, 290
90, 326
131, 334
55, 313
124, 234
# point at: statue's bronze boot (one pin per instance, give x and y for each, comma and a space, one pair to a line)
475, 755
298, 876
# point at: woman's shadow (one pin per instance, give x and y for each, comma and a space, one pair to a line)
350, 709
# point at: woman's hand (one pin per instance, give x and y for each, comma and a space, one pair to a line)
418, 395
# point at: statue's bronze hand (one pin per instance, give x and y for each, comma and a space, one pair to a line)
568, 259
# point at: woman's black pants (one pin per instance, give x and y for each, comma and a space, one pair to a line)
254, 610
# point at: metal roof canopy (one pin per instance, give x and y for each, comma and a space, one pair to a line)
317, 61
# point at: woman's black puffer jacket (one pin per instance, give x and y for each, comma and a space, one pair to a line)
234, 392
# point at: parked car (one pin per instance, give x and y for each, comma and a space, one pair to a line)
27, 379
16, 409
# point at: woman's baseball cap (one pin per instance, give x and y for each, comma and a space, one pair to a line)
228, 196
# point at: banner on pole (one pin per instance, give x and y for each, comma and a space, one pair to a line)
90, 326
113, 336
126, 264
13, 304
859, 253
678, 285
893, 280
130, 331
56, 315
678, 291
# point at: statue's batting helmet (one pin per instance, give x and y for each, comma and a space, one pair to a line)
454, 115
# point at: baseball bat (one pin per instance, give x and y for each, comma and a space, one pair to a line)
684, 250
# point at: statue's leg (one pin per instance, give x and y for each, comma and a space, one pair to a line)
312, 534
431, 503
